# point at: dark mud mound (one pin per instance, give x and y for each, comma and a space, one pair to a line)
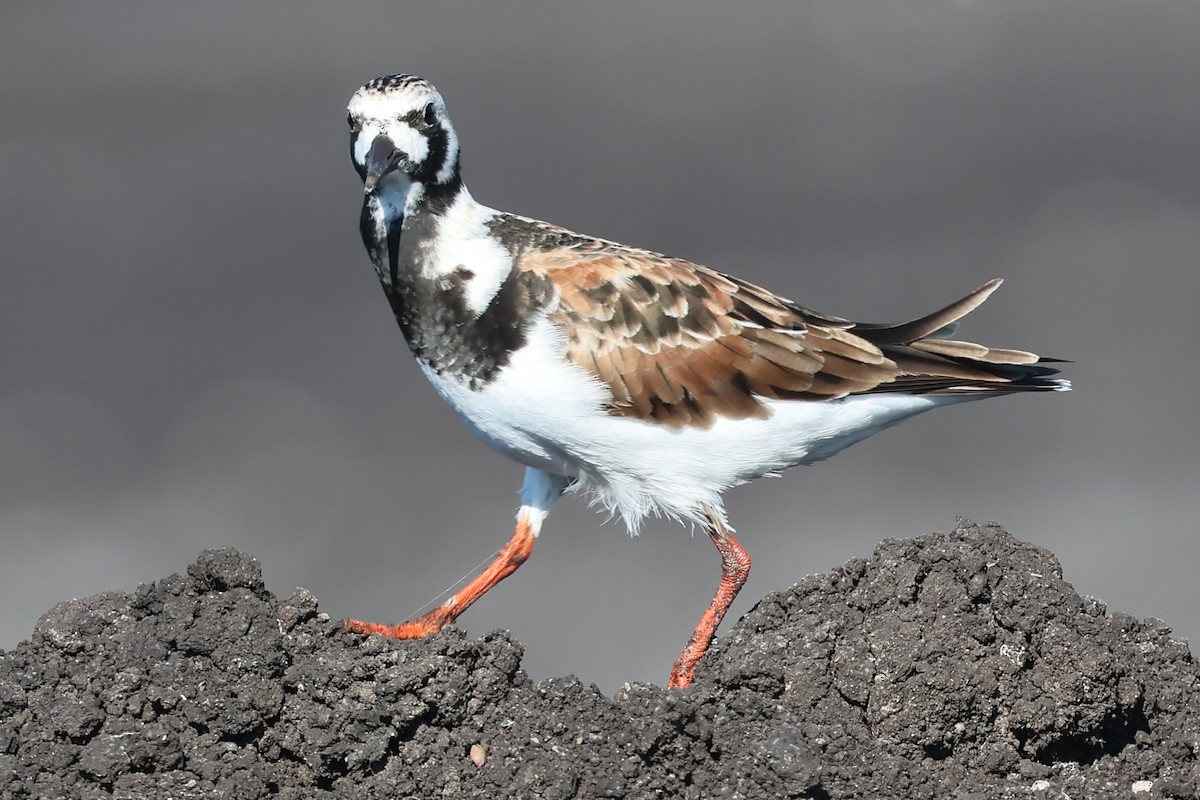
952, 665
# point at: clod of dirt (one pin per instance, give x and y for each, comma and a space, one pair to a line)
952, 665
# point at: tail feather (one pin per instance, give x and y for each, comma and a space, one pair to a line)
975, 352
932, 363
930, 325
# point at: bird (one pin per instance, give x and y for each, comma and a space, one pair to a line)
647, 383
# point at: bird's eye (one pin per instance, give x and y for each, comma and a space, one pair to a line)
430, 115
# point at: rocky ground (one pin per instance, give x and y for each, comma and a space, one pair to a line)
957, 664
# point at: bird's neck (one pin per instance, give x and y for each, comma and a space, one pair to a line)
401, 223
450, 281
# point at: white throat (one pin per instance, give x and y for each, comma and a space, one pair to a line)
398, 197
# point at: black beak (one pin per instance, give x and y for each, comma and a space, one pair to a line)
382, 158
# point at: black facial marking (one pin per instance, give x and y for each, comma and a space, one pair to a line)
422, 118
416, 119
439, 151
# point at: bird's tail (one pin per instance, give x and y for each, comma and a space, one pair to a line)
931, 362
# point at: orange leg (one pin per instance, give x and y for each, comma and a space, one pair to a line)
735, 568
512, 556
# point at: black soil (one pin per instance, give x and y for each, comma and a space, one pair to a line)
952, 665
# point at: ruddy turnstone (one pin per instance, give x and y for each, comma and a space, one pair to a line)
651, 383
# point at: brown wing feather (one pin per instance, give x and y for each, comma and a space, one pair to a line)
682, 345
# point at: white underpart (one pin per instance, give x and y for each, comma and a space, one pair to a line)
549, 414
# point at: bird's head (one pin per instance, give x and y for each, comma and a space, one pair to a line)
400, 136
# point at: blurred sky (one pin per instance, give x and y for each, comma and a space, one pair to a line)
194, 351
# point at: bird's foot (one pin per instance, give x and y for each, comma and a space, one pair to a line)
419, 628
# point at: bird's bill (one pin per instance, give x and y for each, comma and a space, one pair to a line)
382, 158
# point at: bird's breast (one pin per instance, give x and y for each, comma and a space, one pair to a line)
535, 406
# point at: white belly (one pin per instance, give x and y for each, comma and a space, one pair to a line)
549, 414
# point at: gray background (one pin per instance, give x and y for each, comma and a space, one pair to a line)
194, 351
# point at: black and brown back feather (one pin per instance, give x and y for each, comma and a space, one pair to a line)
681, 345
